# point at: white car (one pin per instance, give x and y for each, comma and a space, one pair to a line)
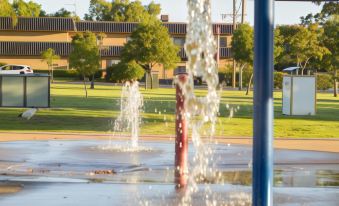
15, 69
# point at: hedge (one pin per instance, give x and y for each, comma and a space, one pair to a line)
324, 81
278, 79
69, 73
226, 77
246, 75
108, 75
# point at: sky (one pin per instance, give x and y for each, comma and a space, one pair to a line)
285, 12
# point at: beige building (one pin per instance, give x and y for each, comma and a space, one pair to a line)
23, 43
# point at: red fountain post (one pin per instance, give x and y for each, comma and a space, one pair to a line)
181, 137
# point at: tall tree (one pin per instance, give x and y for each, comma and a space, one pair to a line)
85, 55
99, 10
49, 57
151, 44
328, 9
331, 41
243, 51
26, 9
134, 12
121, 11
7, 10
19, 8
242, 48
278, 46
153, 8
126, 71
287, 57
62, 13
100, 42
302, 44
306, 45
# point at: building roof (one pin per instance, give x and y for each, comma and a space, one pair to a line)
289, 69
33, 48
36, 48
37, 24
20, 65
68, 24
9, 48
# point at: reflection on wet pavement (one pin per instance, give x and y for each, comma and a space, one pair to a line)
84, 164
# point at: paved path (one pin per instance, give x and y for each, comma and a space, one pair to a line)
324, 144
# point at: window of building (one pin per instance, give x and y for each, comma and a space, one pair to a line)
223, 41
179, 70
180, 41
112, 62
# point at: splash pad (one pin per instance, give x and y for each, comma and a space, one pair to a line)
77, 172
90, 172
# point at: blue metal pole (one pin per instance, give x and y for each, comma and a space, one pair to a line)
263, 103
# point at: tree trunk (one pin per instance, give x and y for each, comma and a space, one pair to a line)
234, 75
147, 76
240, 76
234, 15
85, 86
240, 79
151, 77
92, 82
302, 69
52, 72
335, 92
249, 84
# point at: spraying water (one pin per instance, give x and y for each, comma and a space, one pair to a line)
128, 120
131, 104
201, 112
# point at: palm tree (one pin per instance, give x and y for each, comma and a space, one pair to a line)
49, 56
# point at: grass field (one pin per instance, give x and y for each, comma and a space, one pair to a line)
72, 112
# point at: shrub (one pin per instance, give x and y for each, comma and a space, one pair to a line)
97, 75
324, 81
109, 72
246, 75
278, 78
226, 77
2, 64
124, 71
70, 73
41, 71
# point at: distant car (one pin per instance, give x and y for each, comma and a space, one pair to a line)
15, 69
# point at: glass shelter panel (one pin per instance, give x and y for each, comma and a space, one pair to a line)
12, 91
37, 92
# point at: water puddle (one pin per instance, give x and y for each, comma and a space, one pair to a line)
30, 170
80, 160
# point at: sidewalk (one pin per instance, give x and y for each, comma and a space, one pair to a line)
324, 144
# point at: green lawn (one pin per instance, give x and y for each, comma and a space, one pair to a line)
71, 112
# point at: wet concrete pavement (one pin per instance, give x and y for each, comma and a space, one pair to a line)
63, 171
